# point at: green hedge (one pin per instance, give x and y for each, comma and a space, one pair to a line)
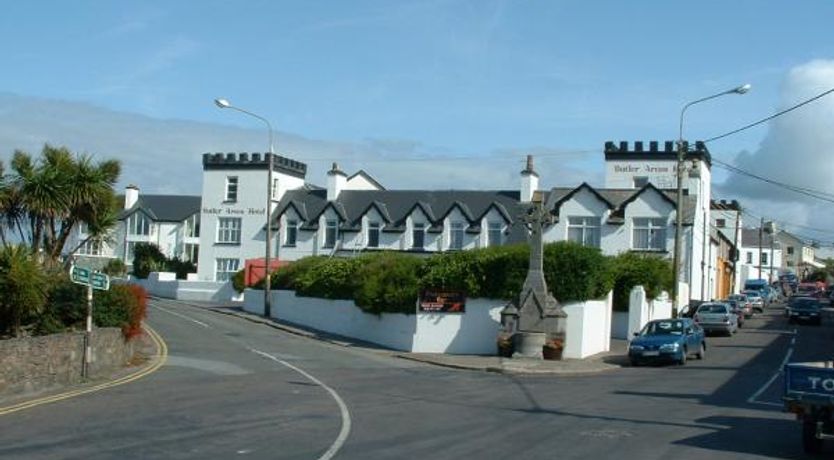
631, 269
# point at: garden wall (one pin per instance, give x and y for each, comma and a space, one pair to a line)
35, 364
165, 284
472, 332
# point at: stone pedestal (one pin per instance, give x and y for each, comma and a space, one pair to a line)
529, 344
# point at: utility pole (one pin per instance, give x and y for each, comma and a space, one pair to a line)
761, 265
737, 252
88, 334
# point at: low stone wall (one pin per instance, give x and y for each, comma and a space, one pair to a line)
35, 364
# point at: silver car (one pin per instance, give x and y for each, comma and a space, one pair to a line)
756, 300
716, 317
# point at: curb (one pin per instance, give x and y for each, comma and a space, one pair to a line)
158, 361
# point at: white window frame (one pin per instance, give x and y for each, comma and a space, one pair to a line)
192, 226
656, 233
374, 228
228, 230
191, 252
138, 224
274, 190
495, 233
418, 228
225, 268
585, 230
456, 235
749, 258
331, 233
290, 232
232, 188
91, 248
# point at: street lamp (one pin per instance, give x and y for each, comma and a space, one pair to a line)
679, 212
225, 104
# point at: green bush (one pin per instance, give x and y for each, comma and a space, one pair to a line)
23, 285
575, 273
389, 283
115, 267
181, 267
333, 279
239, 281
285, 277
147, 258
631, 269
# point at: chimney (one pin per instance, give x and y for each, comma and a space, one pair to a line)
336, 181
131, 196
529, 181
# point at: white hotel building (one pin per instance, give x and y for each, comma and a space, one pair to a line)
635, 211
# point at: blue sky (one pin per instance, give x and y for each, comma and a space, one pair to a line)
438, 78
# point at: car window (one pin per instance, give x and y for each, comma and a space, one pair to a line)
674, 327
712, 308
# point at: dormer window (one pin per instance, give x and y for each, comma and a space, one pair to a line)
494, 234
456, 235
330, 233
373, 234
138, 224
649, 234
418, 236
291, 233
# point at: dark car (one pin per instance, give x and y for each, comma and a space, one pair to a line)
667, 340
805, 309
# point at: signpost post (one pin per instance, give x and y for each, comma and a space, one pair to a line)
93, 280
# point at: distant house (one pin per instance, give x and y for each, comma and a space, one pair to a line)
171, 222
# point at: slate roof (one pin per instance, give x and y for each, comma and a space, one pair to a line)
618, 198
750, 238
164, 208
396, 205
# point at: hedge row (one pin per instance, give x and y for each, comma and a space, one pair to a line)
390, 281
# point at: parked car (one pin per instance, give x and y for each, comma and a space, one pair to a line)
735, 307
667, 340
805, 309
761, 287
756, 301
716, 317
746, 306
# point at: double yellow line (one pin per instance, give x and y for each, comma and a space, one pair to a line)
159, 360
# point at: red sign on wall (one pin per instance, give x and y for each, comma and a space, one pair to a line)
442, 301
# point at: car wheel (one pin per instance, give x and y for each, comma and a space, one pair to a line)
682, 361
702, 351
635, 363
810, 443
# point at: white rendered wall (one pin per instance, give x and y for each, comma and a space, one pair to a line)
588, 328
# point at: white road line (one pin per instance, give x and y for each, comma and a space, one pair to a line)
345, 431
767, 385
187, 318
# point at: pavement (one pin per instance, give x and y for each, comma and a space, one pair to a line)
606, 361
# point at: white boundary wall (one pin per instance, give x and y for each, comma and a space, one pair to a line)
474, 332
641, 310
165, 284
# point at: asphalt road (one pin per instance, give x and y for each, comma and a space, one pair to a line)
235, 389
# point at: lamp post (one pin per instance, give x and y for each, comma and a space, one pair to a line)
679, 211
225, 104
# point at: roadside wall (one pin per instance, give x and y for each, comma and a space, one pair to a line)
165, 284
641, 310
35, 364
472, 332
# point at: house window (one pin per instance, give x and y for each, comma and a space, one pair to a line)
192, 226
749, 258
649, 234
291, 233
330, 233
83, 229
373, 234
640, 181
228, 230
456, 236
138, 224
90, 248
231, 188
720, 223
584, 230
418, 236
494, 233
790, 250
191, 252
274, 190
764, 258
129, 249
225, 269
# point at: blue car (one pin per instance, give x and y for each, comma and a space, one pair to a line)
667, 340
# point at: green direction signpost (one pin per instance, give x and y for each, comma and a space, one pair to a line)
93, 280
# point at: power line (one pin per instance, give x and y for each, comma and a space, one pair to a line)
820, 195
771, 117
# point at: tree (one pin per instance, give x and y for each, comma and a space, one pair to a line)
24, 287
45, 198
147, 258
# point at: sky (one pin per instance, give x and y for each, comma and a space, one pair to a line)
443, 94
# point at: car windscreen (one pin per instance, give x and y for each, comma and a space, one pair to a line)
712, 308
663, 328
752, 295
805, 304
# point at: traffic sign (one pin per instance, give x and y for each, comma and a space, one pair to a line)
87, 277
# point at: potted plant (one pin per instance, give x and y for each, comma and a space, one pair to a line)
552, 349
505, 345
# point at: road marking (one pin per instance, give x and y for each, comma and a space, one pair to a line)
187, 318
752, 399
345, 431
162, 356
